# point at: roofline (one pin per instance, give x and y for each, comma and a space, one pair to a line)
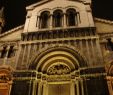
103, 20
12, 30
30, 7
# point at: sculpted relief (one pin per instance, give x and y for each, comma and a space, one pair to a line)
58, 69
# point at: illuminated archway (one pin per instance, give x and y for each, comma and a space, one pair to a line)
61, 57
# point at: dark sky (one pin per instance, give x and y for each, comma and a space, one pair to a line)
15, 11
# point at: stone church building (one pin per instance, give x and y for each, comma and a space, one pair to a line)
60, 50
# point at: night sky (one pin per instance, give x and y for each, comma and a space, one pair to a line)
15, 11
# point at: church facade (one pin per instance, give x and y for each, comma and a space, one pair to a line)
60, 50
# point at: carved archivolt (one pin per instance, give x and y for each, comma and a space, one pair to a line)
65, 58
58, 69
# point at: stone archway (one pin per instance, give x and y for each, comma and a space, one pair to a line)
59, 67
5, 80
58, 54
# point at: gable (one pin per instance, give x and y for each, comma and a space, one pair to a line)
53, 3
12, 35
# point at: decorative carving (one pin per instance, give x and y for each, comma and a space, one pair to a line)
58, 69
5, 77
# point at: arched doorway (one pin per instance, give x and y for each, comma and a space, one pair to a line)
5, 80
59, 68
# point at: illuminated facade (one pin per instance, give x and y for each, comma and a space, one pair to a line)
61, 50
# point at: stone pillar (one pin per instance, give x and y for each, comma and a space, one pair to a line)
81, 45
28, 55
37, 23
78, 18
45, 89
88, 53
34, 87
18, 55
82, 87
99, 50
30, 85
77, 87
93, 54
24, 54
72, 88
40, 89
51, 21
64, 19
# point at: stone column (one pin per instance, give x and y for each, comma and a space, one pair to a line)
40, 89
30, 82
92, 47
45, 89
24, 54
51, 21
37, 23
34, 87
99, 50
28, 55
64, 20
78, 18
72, 88
81, 45
88, 53
82, 87
77, 87
18, 55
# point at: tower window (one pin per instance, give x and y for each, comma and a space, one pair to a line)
57, 18
44, 19
11, 52
71, 18
4, 52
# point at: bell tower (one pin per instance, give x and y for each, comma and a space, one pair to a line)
1, 18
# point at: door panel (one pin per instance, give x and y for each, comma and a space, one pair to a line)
59, 89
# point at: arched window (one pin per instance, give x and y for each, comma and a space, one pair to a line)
57, 18
71, 18
44, 19
11, 52
4, 52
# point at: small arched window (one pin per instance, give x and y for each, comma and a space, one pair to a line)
44, 19
11, 52
57, 18
4, 52
71, 17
